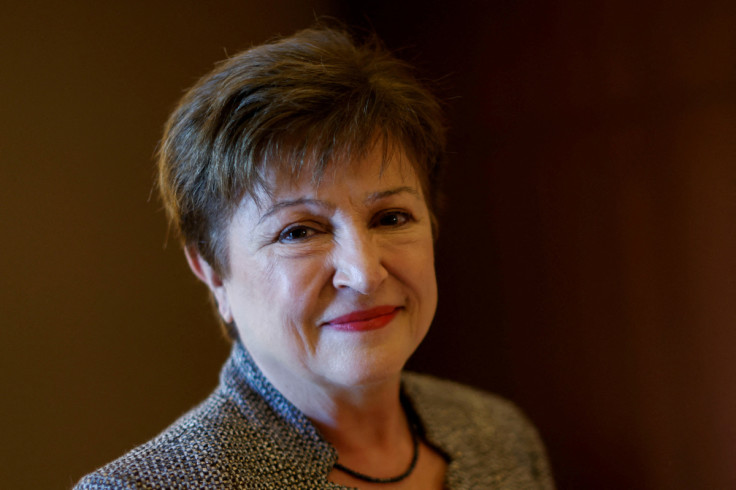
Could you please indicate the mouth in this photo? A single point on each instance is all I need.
(361, 321)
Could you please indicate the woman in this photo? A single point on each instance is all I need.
(302, 178)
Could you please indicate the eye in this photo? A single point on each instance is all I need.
(392, 218)
(296, 233)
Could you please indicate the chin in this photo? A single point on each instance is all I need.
(368, 368)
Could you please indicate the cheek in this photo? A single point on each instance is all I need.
(414, 266)
(427, 274)
(252, 290)
(296, 286)
(428, 284)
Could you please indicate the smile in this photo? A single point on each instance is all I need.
(361, 321)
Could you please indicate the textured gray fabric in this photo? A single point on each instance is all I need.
(247, 435)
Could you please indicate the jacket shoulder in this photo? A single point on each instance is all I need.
(488, 438)
(459, 401)
(215, 445)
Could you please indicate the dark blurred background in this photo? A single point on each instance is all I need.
(587, 254)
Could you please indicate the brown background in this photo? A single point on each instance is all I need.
(586, 258)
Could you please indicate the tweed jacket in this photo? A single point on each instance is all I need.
(247, 435)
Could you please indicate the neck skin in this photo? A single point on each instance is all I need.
(361, 418)
(366, 424)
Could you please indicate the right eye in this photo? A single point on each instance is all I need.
(296, 233)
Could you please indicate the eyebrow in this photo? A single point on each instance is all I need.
(294, 202)
(376, 196)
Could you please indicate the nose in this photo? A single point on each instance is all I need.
(358, 263)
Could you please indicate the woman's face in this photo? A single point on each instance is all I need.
(333, 284)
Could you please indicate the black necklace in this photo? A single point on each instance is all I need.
(393, 479)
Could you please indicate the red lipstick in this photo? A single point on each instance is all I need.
(361, 321)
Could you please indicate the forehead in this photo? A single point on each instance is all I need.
(375, 171)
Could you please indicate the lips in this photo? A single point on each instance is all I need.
(359, 321)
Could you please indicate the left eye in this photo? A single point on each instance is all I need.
(392, 218)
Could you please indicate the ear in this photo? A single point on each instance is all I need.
(205, 273)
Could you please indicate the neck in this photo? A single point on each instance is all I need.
(369, 417)
(371, 434)
(355, 418)
(366, 423)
